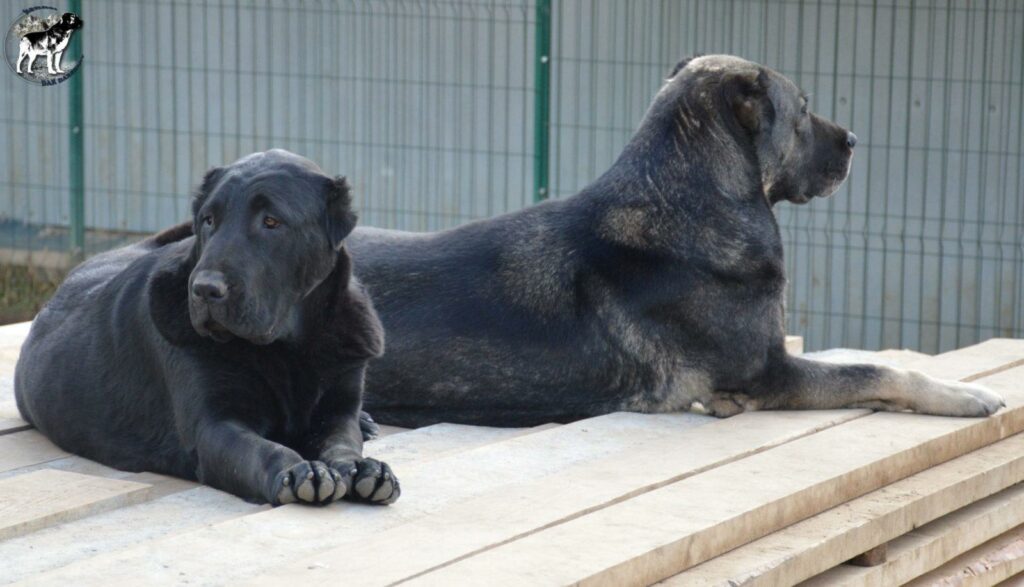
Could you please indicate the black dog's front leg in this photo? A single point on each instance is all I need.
(337, 439)
(234, 458)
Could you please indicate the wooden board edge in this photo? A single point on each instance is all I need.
(987, 564)
(122, 493)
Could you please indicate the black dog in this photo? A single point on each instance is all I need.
(658, 286)
(235, 357)
(52, 42)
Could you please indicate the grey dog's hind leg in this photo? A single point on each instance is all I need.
(801, 384)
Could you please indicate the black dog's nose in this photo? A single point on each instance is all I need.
(851, 140)
(209, 286)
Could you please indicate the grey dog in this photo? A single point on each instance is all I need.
(658, 286)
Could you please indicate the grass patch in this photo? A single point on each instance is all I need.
(24, 290)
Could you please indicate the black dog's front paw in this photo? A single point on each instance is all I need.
(372, 481)
(308, 482)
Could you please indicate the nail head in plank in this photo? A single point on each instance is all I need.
(44, 498)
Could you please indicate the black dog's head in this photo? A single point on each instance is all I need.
(268, 231)
(69, 21)
(799, 155)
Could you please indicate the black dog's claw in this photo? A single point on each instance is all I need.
(374, 482)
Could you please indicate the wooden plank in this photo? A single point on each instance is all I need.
(1014, 581)
(9, 425)
(438, 440)
(935, 543)
(386, 430)
(176, 505)
(11, 337)
(795, 345)
(817, 544)
(871, 558)
(656, 537)
(995, 561)
(975, 361)
(22, 449)
(477, 524)
(44, 498)
(8, 407)
(246, 546)
(49, 548)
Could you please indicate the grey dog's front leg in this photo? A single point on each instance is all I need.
(797, 383)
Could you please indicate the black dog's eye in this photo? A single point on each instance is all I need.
(208, 220)
(271, 222)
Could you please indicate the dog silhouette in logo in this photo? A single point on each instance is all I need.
(50, 42)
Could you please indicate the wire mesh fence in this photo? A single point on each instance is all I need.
(429, 108)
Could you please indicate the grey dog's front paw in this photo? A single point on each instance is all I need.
(310, 482)
(373, 482)
(978, 401)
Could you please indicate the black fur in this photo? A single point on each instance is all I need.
(256, 392)
(659, 285)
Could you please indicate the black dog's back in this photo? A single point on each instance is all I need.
(95, 317)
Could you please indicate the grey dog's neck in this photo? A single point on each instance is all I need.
(673, 179)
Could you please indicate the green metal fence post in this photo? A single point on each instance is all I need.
(542, 104)
(76, 147)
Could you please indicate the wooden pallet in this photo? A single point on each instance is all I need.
(769, 498)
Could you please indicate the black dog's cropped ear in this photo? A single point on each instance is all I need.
(340, 217)
(200, 194)
(747, 95)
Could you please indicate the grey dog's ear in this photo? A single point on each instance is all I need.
(747, 95)
(210, 180)
(682, 64)
(340, 217)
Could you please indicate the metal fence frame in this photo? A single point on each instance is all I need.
(889, 253)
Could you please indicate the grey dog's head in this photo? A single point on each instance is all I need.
(799, 155)
(268, 230)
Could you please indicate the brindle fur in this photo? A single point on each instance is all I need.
(658, 286)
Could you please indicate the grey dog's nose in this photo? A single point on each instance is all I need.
(851, 140)
(209, 286)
